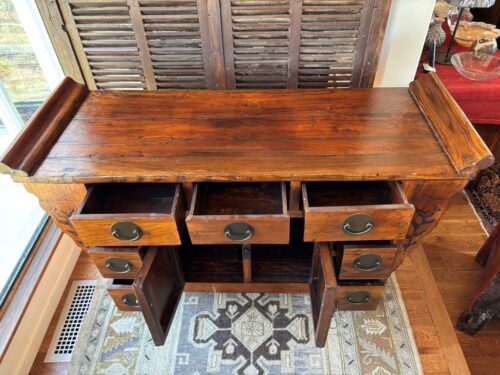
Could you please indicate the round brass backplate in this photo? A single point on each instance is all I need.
(358, 224)
(126, 231)
(239, 231)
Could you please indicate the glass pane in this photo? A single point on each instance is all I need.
(22, 89)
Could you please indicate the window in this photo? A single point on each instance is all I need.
(28, 69)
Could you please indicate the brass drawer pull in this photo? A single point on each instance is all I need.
(368, 262)
(126, 231)
(358, 224)
(130, 299)
(118, 265)
(239, 231)
(357, 297)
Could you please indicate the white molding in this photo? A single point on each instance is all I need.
(34, 27)
(403, 42)
(31, 330)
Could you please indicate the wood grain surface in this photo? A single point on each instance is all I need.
(460, 140)
(133, 255)
(351, 251)
(161, 267)
(391, 214)
(119, 288)
(263, 206)
(376, 289)
(354, 134)
(322, 290)
(32, 144)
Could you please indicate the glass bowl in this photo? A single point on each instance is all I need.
(479, 67)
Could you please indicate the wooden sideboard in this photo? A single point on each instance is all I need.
(307, 191)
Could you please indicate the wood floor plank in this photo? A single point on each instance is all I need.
(450, 345)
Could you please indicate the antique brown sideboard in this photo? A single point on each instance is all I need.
(307, 191)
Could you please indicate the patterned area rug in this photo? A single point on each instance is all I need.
(485, 197)
(247, 333)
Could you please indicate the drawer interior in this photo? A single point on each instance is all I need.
(245, 198)
(282, 263)
(269, 263)
(129, 199)
(122, 283)
(357, 193)
(212, 263)
(367, 284)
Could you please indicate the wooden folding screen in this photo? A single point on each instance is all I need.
(218, 44)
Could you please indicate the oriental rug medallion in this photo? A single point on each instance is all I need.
(247, 333)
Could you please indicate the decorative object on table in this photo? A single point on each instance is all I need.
(445, 57)
(484, 46)
(247, 333)
(453, 16)
(435, 37)
(478, 67)
(468, 32)
(442, 9)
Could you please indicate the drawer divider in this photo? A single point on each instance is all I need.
(246, 255)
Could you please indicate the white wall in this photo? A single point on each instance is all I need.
(31, 330)
(403, 41)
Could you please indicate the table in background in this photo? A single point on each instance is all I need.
(480, 100)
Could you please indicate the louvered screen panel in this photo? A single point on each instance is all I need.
(214, 44)
(105, 44)
(256, 42)
(328, 39)
(173, 35)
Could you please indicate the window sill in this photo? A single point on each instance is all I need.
(16, 302)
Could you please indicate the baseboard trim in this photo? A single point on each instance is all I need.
(30, 332)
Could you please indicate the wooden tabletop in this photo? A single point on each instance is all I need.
(352, 134)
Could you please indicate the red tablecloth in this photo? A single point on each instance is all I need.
(480, 100)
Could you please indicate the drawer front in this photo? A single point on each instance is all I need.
(359, 297)
(251, 213)
(339, 215)
(271, 229)
(130, 215)
(126, 230)
(123, 295)
(117, 263)
(365, 261)
(375, 223)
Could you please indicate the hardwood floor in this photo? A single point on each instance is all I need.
(450, 250)
(441, 276)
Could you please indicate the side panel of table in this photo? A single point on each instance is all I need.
(60, 201)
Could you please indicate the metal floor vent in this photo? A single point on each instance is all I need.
(72, 316)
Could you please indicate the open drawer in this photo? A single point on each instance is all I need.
(130, 214)
(359, 295)
(351, 211)
(365, 260)
(327, 294)
(117, 262)
(156, 290)
(123, 295)
(249, 212)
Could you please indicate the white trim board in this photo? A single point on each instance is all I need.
(31, 330)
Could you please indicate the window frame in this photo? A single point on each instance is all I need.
(22, 290)
(36, 22)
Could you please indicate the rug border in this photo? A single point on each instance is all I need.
(404, 314)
